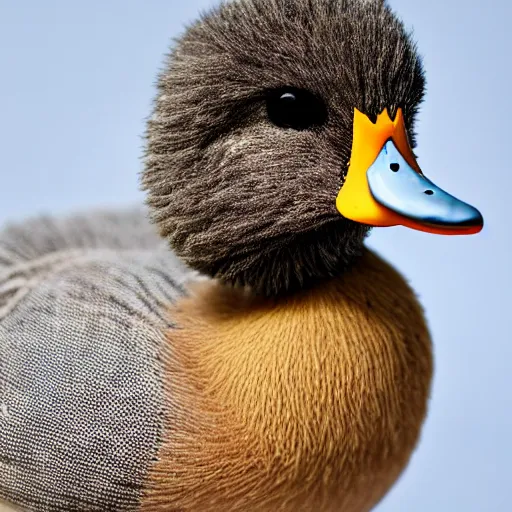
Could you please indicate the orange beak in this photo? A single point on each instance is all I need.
(385, 185)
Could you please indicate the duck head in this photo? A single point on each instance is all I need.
(282, 132)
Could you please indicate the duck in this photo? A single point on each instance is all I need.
(237, 348)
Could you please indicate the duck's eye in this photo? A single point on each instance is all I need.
(295, 108)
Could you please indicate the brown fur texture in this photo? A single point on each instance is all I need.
(246, 201)
(305, 403)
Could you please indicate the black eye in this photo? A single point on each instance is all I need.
(295, 108)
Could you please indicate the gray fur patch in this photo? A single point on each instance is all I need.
(81, 397)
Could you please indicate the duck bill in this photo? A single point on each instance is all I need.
(385, 186)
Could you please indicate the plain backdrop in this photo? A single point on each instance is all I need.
(76, 84)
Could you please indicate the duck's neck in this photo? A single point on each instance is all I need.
(333, 379)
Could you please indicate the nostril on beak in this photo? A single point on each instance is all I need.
(429, 192)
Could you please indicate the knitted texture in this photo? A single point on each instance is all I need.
(81, 324)
(240, 198)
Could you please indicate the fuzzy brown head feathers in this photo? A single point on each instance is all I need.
(251, 134)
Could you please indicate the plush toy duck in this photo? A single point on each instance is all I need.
(269, 362)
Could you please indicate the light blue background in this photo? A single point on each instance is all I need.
(76, 83)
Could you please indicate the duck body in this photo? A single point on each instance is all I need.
(311, 402)
(260, 358)
(213, 398)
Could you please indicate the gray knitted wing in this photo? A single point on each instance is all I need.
(82, 320)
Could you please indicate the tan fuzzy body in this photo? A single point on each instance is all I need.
(312, 402)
